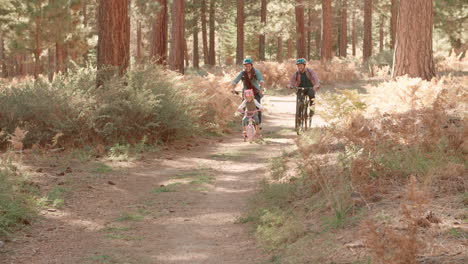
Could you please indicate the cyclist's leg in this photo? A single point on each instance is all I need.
(259, 98)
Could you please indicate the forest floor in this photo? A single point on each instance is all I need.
(179, 205)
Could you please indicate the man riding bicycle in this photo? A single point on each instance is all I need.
(305, 77)
(253, 80)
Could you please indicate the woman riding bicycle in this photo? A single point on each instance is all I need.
(305, 77)
(252, 79)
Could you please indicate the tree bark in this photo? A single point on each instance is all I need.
(309, 32)
(85, 24)
(186, 54)
(59, 58)
(113, 49)
(354, 35)
(344, 29)
(177, 32)
(367, 44)
(279, 56)
(393, 23)
(262, 39)
(381, 34)
(326, 51)
(50, 65)
(138, 47)
(204, 34)
(158, 48)
(413, 47)
(367, 39)
(2, 56)
(240, 32)
(212, 52)
(300, 28)
(196, 55)
(318, 40)
(38, 48)
(290, 48)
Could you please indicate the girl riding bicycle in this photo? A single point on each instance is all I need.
(250, 104)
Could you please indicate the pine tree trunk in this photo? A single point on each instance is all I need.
(344, 29)
(38, 48)
(262, 39)
(381, 34)
(290, 48)
(413, 47)
(367, 44)
(186, 54)
(393, 23)
(327, 23)
(279, 56)
(240, 32)
(196, 55)
(204, 34)
(85, 24)
(59, 58)
(2, 56)
(212, 52)
(138, 47)
(354, 35)
(113, 49)
(176, 62)
(300, 27)
(318, 40)
(50, 65)
(159, 35)
(309, 31)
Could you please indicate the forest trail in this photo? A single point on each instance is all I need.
(179, 207)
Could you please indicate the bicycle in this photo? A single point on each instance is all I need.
(251, 129)
(304, 111)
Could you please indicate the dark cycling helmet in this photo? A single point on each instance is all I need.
(300, 61)
(248, 61)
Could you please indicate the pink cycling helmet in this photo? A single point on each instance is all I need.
(248, 93)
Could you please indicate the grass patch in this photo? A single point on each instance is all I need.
(278, 166)
(101, 168)
(203, 179)
(131, 217)
(458, 233)
(166, 188)
(16, 206)
(55, 197)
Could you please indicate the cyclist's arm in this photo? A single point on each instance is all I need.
(257, 104)
(292, 81)
(241, 106)
(236, 80)
(316, 80)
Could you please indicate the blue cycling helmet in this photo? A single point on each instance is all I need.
(248, 61)
(301, 61)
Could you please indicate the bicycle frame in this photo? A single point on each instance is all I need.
(303, 113)
(251, 129)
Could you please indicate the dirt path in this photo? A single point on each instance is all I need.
(180, 207)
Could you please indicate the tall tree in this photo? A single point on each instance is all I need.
(240, 32)
(159, 35)
(212, 52)
(367, 44)
(261, 40)
(177, 34)
(290, 48)
(393, 22)
(326, 50)
(413, 47)
(353, 34)
(279, 56)
(300, 28)
(196, 55)
(113, 49)
(344, 28)
(139, 55)
(204, 34)
(381, 34)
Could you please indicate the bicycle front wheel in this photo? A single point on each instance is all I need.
(299, 118)
(250, 131)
